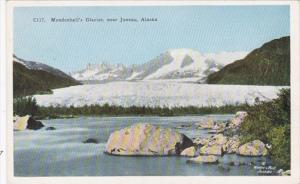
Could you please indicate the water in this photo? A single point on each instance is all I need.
(61, 152)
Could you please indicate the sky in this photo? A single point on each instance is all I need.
(71, 46)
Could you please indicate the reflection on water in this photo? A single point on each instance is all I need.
(61, 152)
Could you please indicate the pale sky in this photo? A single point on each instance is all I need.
(208, 29)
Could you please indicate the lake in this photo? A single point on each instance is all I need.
(61, 152)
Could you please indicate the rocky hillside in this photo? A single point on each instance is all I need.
(32, 77)
(267, 65)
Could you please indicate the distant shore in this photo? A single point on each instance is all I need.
(28, 105)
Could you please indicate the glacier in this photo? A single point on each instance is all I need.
(152, 93)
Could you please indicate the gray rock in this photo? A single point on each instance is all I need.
(27, 122)
(254, 148)
(91, 140)
(50, 128)
(146, 139)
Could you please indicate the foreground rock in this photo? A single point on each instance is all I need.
(238, 119)
(218, 139)
(232, 145)
(203, 159)
(212, 145)
(254, 148)
(189, 152)
(26, 122)
(147, 139)
(202, 141)
(211, 150)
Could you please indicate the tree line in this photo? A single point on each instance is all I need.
(28, 105)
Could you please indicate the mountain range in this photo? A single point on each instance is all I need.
(180, 64)
(267, 65)
(31, 77)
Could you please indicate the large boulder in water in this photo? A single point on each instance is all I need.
(147, 139)
(254, 148)
(26, 122)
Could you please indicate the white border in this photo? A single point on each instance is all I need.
(294, 33)
(2, 94)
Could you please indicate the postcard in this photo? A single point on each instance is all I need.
(103, 92)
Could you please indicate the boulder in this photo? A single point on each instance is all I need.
(91, 140)
(20, 123)
(189, 152)
(209, 124)
(211, 150)
(238, 119)
(146, 139)
(218, 139)
(27, 122)
(201, 141)
(218, 128)
(50, 128)
(254, 148)
(15, 118)
(203, 159)
(232, 145)
(213, 145)
(210, 140)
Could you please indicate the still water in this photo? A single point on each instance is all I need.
(61, 152)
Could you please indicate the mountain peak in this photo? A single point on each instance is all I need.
(183, 51)
(180, 63)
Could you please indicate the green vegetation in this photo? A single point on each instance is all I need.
(29, 82)
(27, 105)
(270, 122)
(111, 110)
(268, 65)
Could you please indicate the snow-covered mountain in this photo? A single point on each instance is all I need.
(102, 72)
(184, 64)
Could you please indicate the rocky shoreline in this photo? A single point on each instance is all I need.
(144, 139)
(149, 140)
